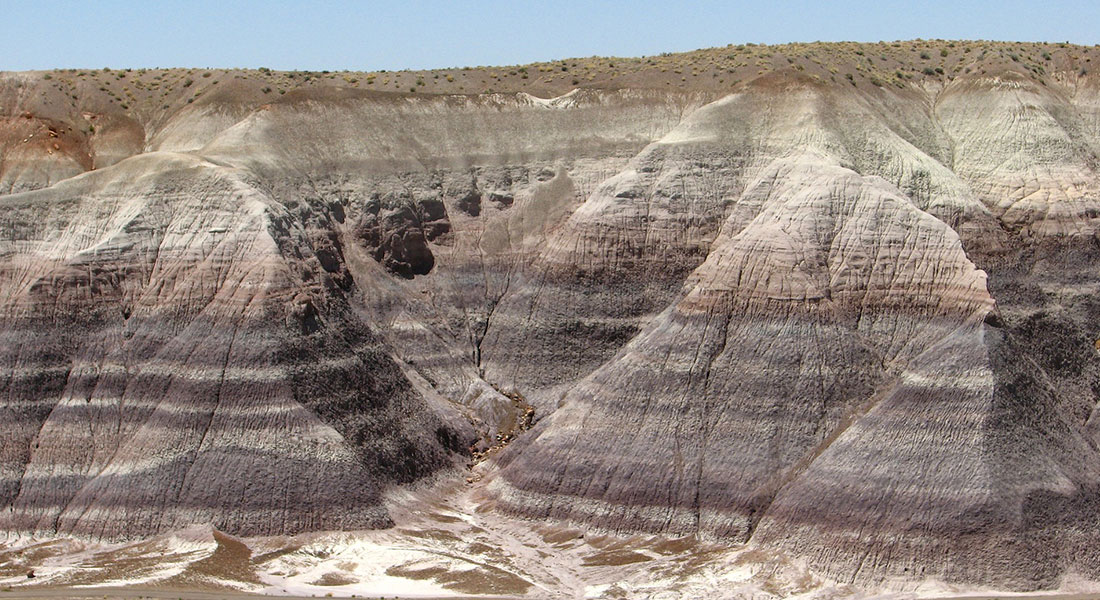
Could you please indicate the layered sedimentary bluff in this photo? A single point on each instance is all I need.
(835, 301)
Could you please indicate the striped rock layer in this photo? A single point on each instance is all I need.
(854, 323)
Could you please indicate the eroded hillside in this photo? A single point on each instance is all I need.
(834, 301)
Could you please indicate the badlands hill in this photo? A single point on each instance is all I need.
(837, 301)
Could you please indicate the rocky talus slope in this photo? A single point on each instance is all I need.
(837, 301)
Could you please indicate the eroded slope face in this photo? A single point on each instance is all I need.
(229, 336)
(794, 323)
(829, 380)
(175, 352)
(455, 199)
(841, 320)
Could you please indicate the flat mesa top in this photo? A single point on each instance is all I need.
(145, 92)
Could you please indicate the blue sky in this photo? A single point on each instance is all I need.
(433, 34)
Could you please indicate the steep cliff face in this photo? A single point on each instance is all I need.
(837, 308)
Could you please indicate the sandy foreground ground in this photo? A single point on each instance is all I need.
(169, 594)
(447, 543)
